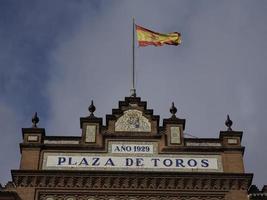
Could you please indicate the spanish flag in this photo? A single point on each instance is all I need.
(147, 37)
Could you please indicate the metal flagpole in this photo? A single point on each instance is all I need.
(133, 91)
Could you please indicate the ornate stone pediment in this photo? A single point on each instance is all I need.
(132, 117)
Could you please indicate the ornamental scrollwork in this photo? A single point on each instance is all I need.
(133, 121)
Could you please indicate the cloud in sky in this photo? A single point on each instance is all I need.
(57, 56)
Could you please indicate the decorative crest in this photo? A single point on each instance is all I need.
(91, 109)
(229, 123)
(173, 110)
(35, 120)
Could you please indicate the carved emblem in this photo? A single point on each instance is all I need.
(133, 121)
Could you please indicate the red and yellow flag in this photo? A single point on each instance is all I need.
(147, 37)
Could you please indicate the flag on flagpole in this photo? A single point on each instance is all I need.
(147, 37)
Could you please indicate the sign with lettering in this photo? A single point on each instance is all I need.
(132, 148)
(138, 156)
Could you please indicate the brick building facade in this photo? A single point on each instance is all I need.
(131, 157)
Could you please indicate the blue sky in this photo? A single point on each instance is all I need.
(55, 56)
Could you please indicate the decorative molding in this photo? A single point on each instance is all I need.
(9, 186)
(61, 142)
(203, 144)
(112, 196)
(135, 181)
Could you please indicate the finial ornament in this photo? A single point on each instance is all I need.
(229, 123)
(173, 110)
(91, 109)
(35, 120)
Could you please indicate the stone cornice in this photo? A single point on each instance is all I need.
(132, 181)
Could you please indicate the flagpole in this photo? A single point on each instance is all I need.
(133, 91)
